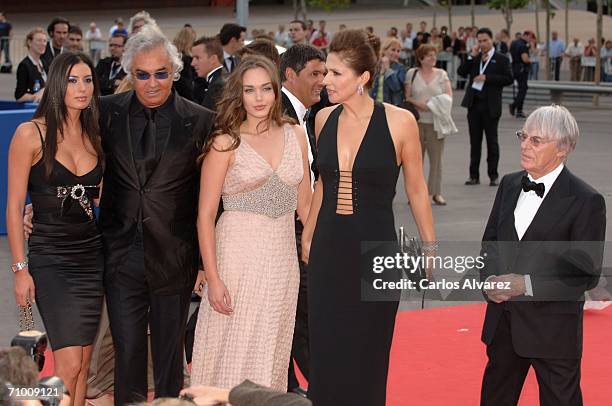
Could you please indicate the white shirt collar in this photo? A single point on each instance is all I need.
(299, 108)
(490, 53)
(213, 71)
(226, 55)
(548, 180)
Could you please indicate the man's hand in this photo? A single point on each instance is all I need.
(499, 294)
(27, 221)
(480, 78)
(198, 288)
(207, 395)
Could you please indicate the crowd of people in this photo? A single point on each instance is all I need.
(252, 179)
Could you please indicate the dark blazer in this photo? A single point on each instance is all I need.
(549, 324)
(184, 85)
(497, 74)
(214, 89)
(27, 73)
(290, 111)
(165, 206)
(103, 70)
(48, 56)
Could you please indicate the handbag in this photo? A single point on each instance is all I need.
(406, 105)
(412, 247)
(32, 341)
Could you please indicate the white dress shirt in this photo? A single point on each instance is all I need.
(527, 207)
(301, 110)
(229, 61)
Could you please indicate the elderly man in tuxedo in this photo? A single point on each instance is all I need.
(543, 246)
(151, 138)
(302, 71)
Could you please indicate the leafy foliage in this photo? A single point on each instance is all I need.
(329, 5)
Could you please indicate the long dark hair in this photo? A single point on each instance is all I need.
(53, 108)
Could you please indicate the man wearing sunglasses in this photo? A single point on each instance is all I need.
(151, 138)
(543, 249)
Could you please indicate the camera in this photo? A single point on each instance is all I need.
(52, 390)
(35, 344)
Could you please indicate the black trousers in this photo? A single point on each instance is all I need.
(519, 98)
(132, 307)
(555, 67)
(300, 349)
(558, 379)
(479, 121)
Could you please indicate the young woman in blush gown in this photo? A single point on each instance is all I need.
(257, 163)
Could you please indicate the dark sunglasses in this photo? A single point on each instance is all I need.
(141, 75)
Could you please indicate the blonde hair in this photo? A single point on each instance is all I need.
(388, 42)
(31, 34)
(184, 40)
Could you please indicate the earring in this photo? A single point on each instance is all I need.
(360, 90)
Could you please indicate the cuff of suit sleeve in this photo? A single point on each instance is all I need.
(528, 287)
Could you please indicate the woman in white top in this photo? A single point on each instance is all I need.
(423, 83)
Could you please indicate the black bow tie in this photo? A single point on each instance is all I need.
(529, 185)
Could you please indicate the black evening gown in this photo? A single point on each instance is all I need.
(65, 253)
(350, 338)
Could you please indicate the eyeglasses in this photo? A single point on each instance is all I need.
(535, 141)
(142, 75)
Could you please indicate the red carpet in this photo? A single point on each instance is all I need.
(438, 359)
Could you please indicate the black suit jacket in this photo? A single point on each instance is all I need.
(165, 206)
(27, 73)
(290, 111)
(103, 70)
(48, 56)
(562, 251)
(214, 89)
(498, 75)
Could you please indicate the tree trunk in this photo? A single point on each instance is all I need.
(450, 16)
(472, 15)
(303, 11)
(295, 9)
(537, 19)
(508, 15)
(435, 13)
(598, 66)
(547, 42)
(567, 35)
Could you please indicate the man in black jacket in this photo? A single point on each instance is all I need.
(207, 54)
(109, 70)
(519, 50)
(151, 139)
(58, 32)
(488, 73)
(302, 71)
(544, 244)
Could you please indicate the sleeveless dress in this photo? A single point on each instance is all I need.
(65, 253)
(350, 338)
(257, 261)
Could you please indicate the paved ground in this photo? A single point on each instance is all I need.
(464, 218)
(468, 207)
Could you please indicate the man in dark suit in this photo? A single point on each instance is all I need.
(109, 70)
(58, 32)
(232, 38)
(302, 71)
(519, 50)
(151, 139)
(488, 73)
(207, 55)
(543, 246)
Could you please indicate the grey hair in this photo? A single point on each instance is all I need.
(150, 37)
(555, 122)
(141, 16)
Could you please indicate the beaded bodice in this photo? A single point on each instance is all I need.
(252, 185)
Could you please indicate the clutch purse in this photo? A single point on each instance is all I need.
(412, 247)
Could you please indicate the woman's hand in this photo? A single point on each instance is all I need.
(24, 287)
(38, 95)
(219, 297)
(27, 221)
(421, 105)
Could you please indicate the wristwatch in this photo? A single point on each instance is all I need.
(19, 266)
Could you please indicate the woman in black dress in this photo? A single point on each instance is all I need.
(32, 69)
(361, 146)
(57, 159)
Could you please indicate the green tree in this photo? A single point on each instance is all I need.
(506, 7)
(329, 5)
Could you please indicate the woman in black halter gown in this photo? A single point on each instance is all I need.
(361, 145)
(56, 158)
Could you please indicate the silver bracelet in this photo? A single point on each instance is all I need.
(429, 247)
(16, 267)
